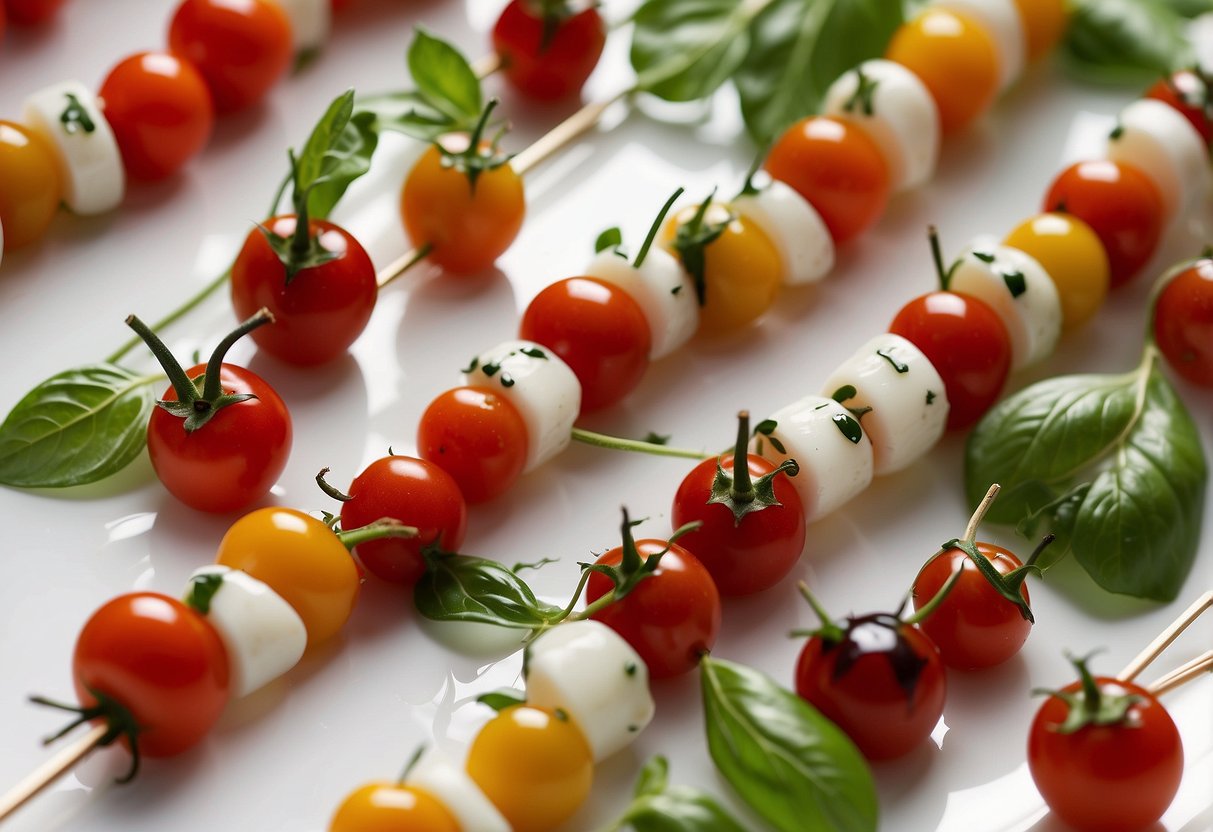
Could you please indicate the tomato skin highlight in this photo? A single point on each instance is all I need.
(1121, 205)
(671, 617)
(598, 330)
(477, 437)
(240, 47)
(1109, 778)
(746, 557)
(322, 310)
(32, 188)
(968, 345)
(160, 110)
(235, 458)
(467, 229)
(974, 627)
(392, 807)
(837, 168)
(1074, 257)
(866, 700)
(160, 660)
(553, 70)
(1183, 322)
(416, 493)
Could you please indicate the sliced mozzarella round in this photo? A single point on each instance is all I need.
(1154, 138)
(662, 288)
(540, 385)
(310, 21)
(896, 109)
(1019, 290)
(587, 670)
(909, 407)
(67, 116)
(450, 785)
(263, 634)
(1001, 20)
(796, 229)
(827, 442)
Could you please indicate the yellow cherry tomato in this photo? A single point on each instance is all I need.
(534, 765)
(742, 269)
(956, 60)
(302, 560)
(392, 807)
(1073, 256)
(30, 186)
(1044, 22)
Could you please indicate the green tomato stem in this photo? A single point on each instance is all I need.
(186, 391)
(615, 443)
(924, 612)
(654, 228)
(742, 490)
(174, 316)
(384, 527)
(213, 386)
(974, 521)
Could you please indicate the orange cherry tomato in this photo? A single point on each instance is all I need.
(477, 437)
(837, 168)
(301, 559)
(30, 185)
(956, 60)
(466, 227)
(1044, 22)
(392, 807)
(534, 765)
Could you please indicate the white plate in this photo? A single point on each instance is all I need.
(355, 711)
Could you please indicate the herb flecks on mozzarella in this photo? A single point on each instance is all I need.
(661, 288)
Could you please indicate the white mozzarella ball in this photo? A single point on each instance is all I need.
(1020, 292)
(1154, 138)
(540, 385)
(1001, 20)
(662, 289)
(90, 164)
(262, 633)
(450, 785)
(587, 670)
(310, 21)
(909, 407)
(903, 119)
(827, 442)
(794, 227)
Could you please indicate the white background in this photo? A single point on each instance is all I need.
(355, 710)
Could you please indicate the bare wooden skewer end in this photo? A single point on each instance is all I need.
(51, 770)
(1155, 648)
(1183, 674)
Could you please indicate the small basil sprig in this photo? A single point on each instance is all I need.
(659, 807)
(1112, 464)
(793, 766)
(1126, 41)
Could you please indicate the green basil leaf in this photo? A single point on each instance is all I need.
(501, 699)
(444, 77)
(408, 113)
(793, 766)
(654, 777)
(683, 50)
(1113, 463)
(1190, 8)
(798, 48)
(76, 427)
(462, 588)
(1128, 42)
(659, 807)
(311, 162)
(348, 158)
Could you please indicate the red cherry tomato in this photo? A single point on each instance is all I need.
(599, 331)
(232, 460)
(1107, 778)
(837, 168)
(31, 12)
(670, 617)
(160, 110)
(1183, 322)
(1121, 205)
(749, 555)
(318, 312)
(477, 437)
(548, 59)
(159, 660)
(968, 345)
(1189, 94)
(415, 492)
(974, 627)
(883, 684)
(241, 47)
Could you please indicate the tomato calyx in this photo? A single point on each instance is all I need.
(612, 238)
(739, 491)
(202, 590)
(861, 99)
(198, 400)
(691, 242)
(478, 157)
(552, 13)
(1094, 705)
(119, 723)
(1202, 97)
(632, 568)
(302, 250)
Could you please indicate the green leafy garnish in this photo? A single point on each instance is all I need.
(659, 807)
(463, 588)
(683, 50)
(1128, 42)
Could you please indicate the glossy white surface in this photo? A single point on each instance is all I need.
(355, 711)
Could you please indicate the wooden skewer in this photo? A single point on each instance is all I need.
(1183, 674)
(1155, 648)
(51, 770)
(487, 65)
